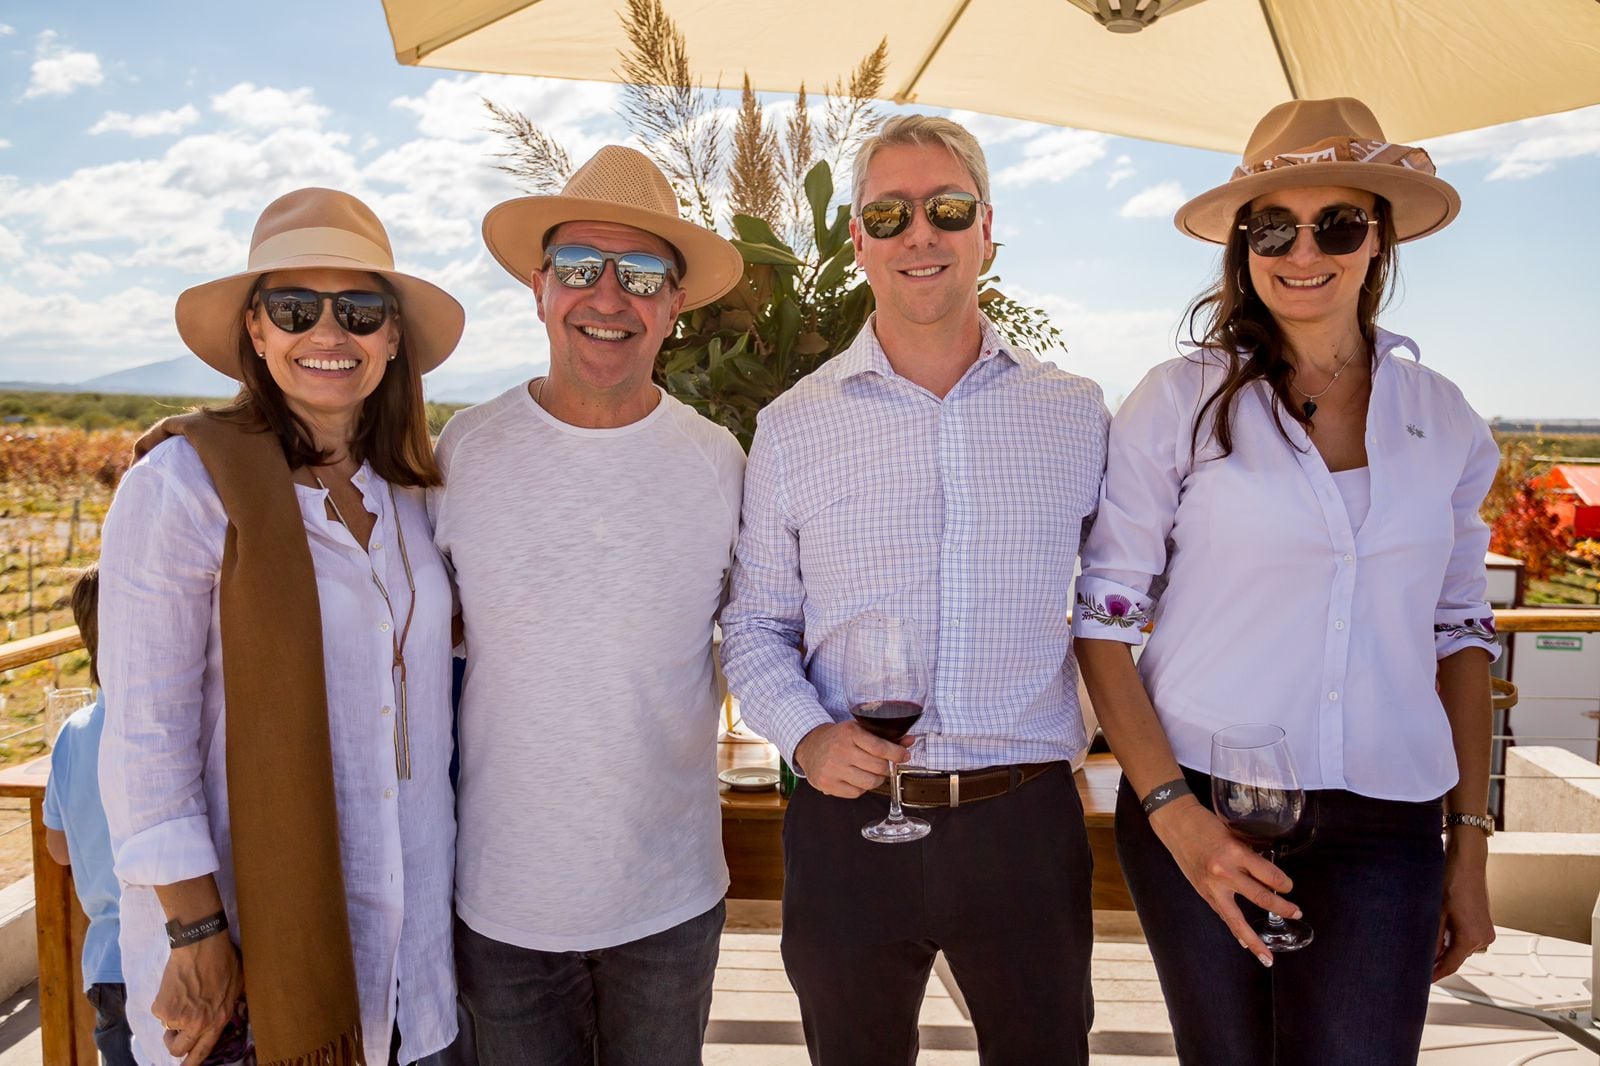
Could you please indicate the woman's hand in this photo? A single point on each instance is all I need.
(199, 989)
(1464, 924)
(1220, 866)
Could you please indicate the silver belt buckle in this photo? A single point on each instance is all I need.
(955, 790)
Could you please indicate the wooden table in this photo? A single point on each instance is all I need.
(752, 823)
(66, 1020)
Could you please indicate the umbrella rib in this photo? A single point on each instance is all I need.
(908, 93)
(1277, 47)
(413, 56)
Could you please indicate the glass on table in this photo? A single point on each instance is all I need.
(59, 705)
(1257, 793)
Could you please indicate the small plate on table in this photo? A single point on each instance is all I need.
(749, 778)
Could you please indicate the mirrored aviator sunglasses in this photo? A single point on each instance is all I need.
(951, 211)
(357, 311)
(578, 266)
(1338, 230)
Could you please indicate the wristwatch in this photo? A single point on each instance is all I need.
(1477, 821)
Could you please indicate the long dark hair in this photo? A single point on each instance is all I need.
(1239, 327)
(391, 433)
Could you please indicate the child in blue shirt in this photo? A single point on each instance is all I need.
(76, 835)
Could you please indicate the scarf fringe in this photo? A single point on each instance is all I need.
(342, 1050)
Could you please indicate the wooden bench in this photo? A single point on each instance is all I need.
(752, 823)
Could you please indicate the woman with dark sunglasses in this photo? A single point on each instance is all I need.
(275, 648)
(1294, 505)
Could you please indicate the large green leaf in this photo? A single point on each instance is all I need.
(835, 269)
(771, 255)
(819, 190)
(839, 233)
(758, 231)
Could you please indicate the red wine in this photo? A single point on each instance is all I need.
(888, 719)
(1261, 833)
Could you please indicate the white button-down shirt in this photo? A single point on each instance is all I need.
(1273, 609)
(163, 763)
(866, 492)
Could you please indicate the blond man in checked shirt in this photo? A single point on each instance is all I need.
(932, 471)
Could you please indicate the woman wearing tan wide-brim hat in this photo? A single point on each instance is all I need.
(276, 659)
(1294, 504)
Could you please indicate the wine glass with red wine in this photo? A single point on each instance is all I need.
(886, 682)
(1257, 793)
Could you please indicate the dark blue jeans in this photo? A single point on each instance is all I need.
(112, 1036)
(644, 1003)
(1369, 875)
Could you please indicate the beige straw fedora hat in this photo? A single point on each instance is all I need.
(623, 186)
(311, 229)
(1326, 142)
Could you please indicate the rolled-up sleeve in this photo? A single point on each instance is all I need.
(764, 622)
(1127, 544)
(158, 574)
(1463, 618)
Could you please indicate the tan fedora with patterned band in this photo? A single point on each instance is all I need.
(1326, 142)
(314, 229)
(623, 186)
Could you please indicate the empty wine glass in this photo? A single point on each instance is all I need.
(59, 705)
(1256, 792)
(886, 682)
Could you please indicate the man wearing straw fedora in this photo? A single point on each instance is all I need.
(937, 474)
(590, 519)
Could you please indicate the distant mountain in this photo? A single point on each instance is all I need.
(188, 376)
(183, 376)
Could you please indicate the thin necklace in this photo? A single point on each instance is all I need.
(402, 731)
(1310, 406)
(538, 394)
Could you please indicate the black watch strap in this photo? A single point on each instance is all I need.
(180, 935)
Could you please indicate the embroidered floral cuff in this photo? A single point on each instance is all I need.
(1105, 610)
(1469, 628)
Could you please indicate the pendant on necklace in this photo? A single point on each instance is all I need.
(1310, 408)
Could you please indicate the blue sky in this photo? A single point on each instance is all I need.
(138, 143)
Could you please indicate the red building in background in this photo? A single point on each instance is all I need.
(1574, 498)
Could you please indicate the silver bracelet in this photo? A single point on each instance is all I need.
(1477, 821)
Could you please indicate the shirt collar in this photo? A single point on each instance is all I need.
(1388, 342)
(866, 356)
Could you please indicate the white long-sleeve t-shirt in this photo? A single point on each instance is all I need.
(590, 564)
(163, 761)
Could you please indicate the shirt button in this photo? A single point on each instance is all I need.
(1339, 624)
(377, 545)
(1334, 696)
(1349, 558)
(386, 710)
(383, 627)
(388, 793)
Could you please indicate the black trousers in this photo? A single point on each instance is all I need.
(1000, 886)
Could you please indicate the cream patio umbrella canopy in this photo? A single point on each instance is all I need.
(1195, 72)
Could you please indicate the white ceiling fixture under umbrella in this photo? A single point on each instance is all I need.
(1192, 72)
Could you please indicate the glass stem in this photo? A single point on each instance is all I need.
(895, 813)
(1272, 919)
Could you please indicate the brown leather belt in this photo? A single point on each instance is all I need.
(929, 788)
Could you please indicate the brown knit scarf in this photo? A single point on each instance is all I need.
(294, 932)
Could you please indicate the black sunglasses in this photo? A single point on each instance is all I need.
(950, 211)
(356, 310)
(1339, 230)
(578, 266)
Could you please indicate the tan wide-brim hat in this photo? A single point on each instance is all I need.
(623, 186)
(314, 229)
(1326, 142)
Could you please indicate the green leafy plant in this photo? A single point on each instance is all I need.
(802, 299)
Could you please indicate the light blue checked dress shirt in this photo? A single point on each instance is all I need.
(866, 492)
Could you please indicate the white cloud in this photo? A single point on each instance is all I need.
(1115, 347)
(71, 272)
(248, 105)
(992, 129)
(150, 124)
(452, 109)
(1523, 149)
(64, 322)
(1157, 201)
(1123, 169)
(11, 246)
(6, 31)
(4, 143)
(1054, 156)
(58, 70)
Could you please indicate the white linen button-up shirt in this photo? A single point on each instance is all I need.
(163, 766)
(866, 492)
(1268, 606)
